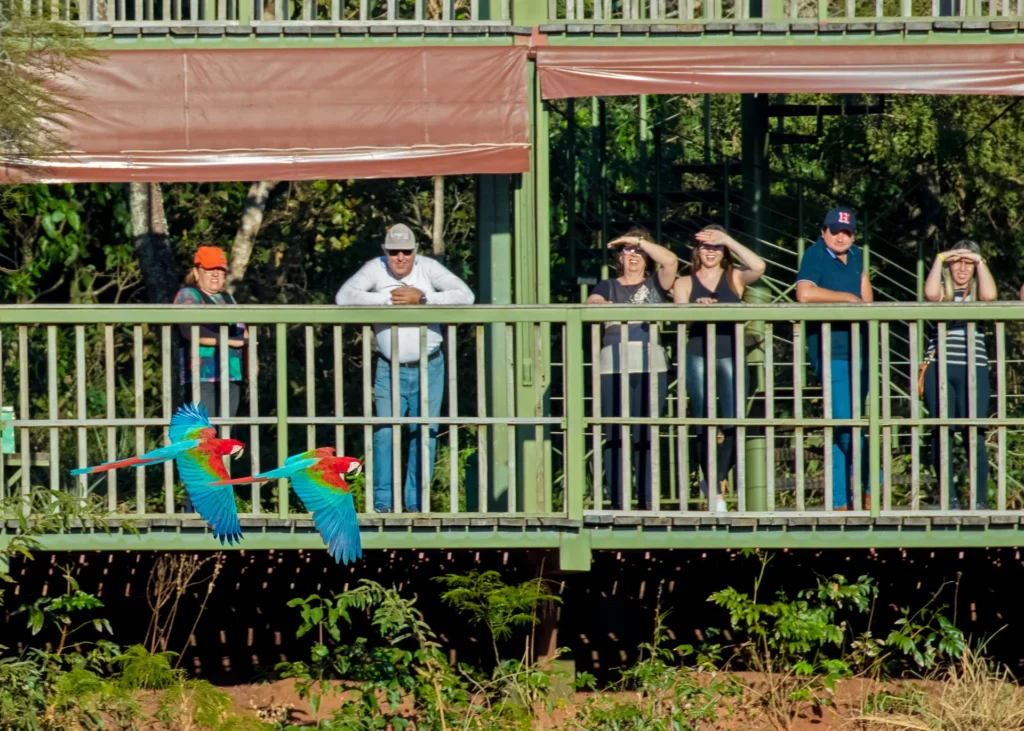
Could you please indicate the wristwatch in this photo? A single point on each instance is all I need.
(423, 299)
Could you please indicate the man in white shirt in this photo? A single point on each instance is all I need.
(400, 277)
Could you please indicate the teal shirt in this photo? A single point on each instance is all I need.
(209, 360)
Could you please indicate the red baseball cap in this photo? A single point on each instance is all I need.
(211, 257)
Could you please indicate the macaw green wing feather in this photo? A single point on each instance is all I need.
(215, 504)
(334, 513)
(187, 420)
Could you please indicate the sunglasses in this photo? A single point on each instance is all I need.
(632, 250)
(396, 252)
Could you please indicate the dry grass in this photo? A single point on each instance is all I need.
(975, 696)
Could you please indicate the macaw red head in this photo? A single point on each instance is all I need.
(349, 466)
(231, 447)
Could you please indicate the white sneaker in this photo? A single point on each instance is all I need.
(720, 505)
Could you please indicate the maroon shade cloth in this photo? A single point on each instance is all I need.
(293, 114)
(572, 71)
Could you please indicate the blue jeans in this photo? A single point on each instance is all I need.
(697, 392)
(842, 437)
(408, 405)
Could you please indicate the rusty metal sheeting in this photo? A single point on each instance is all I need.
(292, 114)
(933, 69)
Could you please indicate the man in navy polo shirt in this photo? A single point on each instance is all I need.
(832, 271)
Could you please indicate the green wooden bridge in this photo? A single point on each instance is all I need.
(517, 465)
(201, 90)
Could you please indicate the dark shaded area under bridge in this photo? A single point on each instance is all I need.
(607, 612)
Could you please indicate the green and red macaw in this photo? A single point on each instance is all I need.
(318, 478)
(199, 454)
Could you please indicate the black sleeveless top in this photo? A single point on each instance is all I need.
(725, 332)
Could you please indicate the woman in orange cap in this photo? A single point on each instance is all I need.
(204, 285)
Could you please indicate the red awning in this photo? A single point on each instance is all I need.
(291, 114)
(622, 71)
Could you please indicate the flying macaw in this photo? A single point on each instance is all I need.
(199, 454)
(319, 480)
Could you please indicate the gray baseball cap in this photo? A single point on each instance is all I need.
(399, 237)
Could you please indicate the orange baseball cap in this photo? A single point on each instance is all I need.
(211, 257)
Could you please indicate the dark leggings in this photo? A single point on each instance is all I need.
(957, 408)
(640, 449)
(697, 392)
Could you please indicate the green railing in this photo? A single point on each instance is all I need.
(521, 426)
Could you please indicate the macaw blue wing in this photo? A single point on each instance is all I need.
(215, 504)
(334, 513)
(188, 419)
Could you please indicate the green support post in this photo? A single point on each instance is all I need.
(532, 276)
(874, 428)
(575, 447)
(281, 353)
(494, 235)
(754, 110)
(756, 444)
(244, 12)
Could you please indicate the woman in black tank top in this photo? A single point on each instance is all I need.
(715, 280)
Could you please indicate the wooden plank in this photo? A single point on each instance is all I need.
(826, 397)
(944, 486)
(625, 431)
(711, 432)
(166, 399)
(309, 343)
(1001, 387)
(453, 432)
(481, 430)
(741, 411)
(595, 380)
(108, 341)
(682, 433)
(138, 386)
(396, 430)
(769, 411)
(424, 429)
(886, 414)
(857, 407)
(915, 413)
(367, 413)
(52, 400)
(798, 412)
(972, 413)
(254, 412)
(80, 392)
(654, 404)
(510, 400)
(339, 386)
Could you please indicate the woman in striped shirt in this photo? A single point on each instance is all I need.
(959, 275)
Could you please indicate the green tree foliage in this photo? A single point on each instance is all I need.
(36, 54)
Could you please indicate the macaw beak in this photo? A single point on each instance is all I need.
(238, 454)
(355, 468)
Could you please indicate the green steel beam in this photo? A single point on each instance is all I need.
(618, 539)
(473, 314)
(689, 39)
(575, 547)
(166, 42)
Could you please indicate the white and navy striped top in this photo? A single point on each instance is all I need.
(956, 340)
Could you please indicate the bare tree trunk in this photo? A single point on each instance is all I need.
(248, 228)
(152, 244)
(438, 233)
